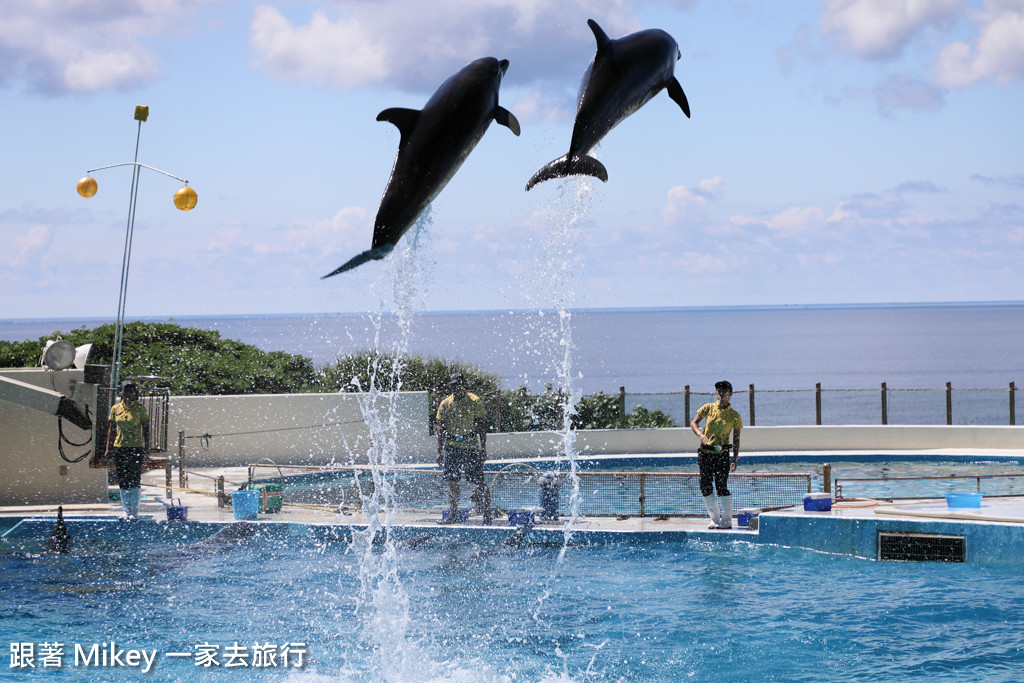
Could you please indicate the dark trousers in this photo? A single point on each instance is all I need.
(714, 467)
(128, 466)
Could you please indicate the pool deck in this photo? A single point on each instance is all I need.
(992, 533)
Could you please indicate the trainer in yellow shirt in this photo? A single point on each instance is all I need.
(722, 423)
(462, 446)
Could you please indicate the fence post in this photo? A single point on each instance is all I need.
(949, 403)
(826, 475)
(1013, 406)
(817, 403)
(686, 403)
(885, 406)
(643, 495)
(752, 423)
(181, 459)
(622, 407)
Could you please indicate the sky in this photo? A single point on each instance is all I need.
(839, 151)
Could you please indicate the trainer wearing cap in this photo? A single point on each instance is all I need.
(713, 455)
(462, 446)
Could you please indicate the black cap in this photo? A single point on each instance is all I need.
(456, 379)
(723, 386)
(129, 385)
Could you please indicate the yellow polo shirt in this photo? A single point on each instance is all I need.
(458, 418)
(720, 423)
(128, 419)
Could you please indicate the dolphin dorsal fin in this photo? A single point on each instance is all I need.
(602, 38)
(404, 119)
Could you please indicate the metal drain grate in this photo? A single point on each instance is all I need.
(904, 547)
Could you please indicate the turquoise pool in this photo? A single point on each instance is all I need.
(468, 609)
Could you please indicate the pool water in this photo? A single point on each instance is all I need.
(475, 611)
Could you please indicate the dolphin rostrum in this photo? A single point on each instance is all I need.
(435, 141)
(623, 76)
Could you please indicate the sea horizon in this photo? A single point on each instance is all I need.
(574, 309)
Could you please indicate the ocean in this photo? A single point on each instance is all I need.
(912, 346)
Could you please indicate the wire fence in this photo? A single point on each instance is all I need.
(635, 494)
(822, 406)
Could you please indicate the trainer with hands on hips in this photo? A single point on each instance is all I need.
(713, 455)
(462, 446)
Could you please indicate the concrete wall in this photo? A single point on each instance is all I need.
(298, 429)
(32, 471)
(315, 429)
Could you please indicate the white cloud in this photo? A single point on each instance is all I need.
(416, 45)
(682, 202)
(787, 223)
(702, 263)
(998, 52)
(25, 247)
(881, 29)
(871, 206)
(57, 47)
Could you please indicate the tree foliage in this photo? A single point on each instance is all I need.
(196, 361)
(193, 361)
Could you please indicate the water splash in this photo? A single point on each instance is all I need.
(383, 603)
(552, 290)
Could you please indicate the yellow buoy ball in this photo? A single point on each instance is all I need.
(186, 198)
(87, 187)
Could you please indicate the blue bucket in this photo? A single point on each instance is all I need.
(461, 515)
(245, 504)
(520, 517)
(963, 500)
(177, 512)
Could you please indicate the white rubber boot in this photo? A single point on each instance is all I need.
(711, 503)
(726, 522)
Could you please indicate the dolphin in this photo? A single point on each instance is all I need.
(220, 543)
(435, 141)
(623, 76)
(60, 538)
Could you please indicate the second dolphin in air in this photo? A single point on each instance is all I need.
(624, 75)
(435, 141)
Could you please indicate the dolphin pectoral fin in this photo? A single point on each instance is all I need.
(675, 91)
(602, 38)
(507, 119)
(567, 166)
(404, 119)
(359, 259)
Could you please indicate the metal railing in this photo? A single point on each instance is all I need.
(908, 488)
(635, 494)
(823, 406)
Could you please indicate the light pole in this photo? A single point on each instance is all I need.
(185, 199)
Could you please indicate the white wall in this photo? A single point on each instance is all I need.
(30, 461)
(298, 429)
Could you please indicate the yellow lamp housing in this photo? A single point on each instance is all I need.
(186, 198)
(87, 187)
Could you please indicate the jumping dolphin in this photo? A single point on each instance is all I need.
(435, 141)
(624, 74)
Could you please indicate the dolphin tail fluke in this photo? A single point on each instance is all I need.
(567, 166)
(369, 255)
(675, 91)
